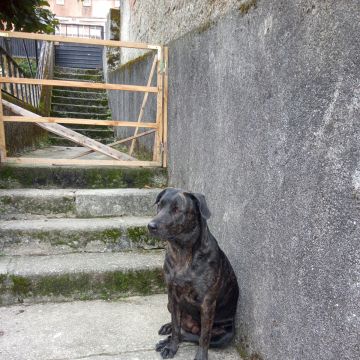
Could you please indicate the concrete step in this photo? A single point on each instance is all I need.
(60, 69)
(82, 203)
(76, 89)
(70, 235)
(59, 141)
(79, 101)
(16, 176)
(87, 78)
(78, 115)
(78, 77)
(91, 330)
(95, 133)
(87, 127)
(75, 108)
(54, 278)
(81, 93)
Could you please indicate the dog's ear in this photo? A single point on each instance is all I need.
(202, 205)
(160, 195)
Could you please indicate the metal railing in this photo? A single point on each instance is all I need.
(21, 48)
(28, 93)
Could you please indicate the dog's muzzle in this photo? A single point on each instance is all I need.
(153, 227)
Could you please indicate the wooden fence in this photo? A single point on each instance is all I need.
(157, 126)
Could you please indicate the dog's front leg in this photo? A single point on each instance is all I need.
(207, 311)
(170, 348)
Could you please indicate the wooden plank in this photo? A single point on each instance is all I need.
(78, 84)
(85, 141)
(82, 162)
(159, 107)
(47, 119)
(78, 40)
(72, 135)
(142, 109)
(2, 132)
(117, 142)
(165, 105)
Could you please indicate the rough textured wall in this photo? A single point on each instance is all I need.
(264, 119)
(264, 112)
(126, 105)
(158, 22)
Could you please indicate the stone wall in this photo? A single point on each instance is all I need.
(264, 108)
(159, 22)
(126, 105)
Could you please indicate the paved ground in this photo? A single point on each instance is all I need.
(93, 330)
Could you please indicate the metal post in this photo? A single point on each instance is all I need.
(10, 74)
(28, 59)
(36, 53)
(2, 133)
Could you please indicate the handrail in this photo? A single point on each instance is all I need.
(9, 67)
(2, 50)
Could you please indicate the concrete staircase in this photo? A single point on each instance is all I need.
(65, 244)
(81, 103)
(80, 277)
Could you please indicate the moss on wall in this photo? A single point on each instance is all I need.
(247, 6)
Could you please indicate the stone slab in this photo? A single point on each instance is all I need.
(81, 177)
(34, 279)
(81, 263)
(23, 203)
(68, 235)
(91, 330)
(116, 202)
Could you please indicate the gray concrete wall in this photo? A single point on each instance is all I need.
(264, 119)
(158, 22)
(126, 105)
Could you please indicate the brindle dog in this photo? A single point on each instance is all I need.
(202, 287)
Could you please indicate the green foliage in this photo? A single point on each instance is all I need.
(27, 15)
(25, 67)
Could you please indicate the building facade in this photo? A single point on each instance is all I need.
(82, 18)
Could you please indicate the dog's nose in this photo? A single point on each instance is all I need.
(152, 226)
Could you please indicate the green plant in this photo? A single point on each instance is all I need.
(27, 15)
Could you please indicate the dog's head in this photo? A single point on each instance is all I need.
(179, 214)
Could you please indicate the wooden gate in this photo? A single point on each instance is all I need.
(156, 126)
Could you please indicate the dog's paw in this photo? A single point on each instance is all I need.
(169, 351)
(167, 348)
(165, 329)
(162, 343)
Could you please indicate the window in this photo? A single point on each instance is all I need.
(60, 2)
(86, 2)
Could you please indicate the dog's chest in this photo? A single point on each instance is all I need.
(185, 283)
(185, 289)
